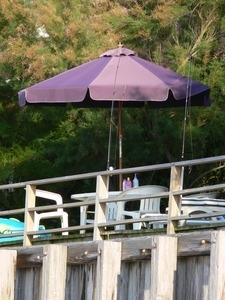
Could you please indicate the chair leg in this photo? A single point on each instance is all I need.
(137, 226)
(64, 223)
(157, 225)
(120, 227)
(36, 224)
(83, 217)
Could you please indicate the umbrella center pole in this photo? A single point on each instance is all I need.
(120, 144)
(120, 163)
(110, 136)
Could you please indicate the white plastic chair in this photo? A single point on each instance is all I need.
(85, 213)
(58, 213)
(148, 206)
(111, 211)
(199, 210)
(202, 203)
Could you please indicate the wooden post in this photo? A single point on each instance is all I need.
(101, 192)
(53, 275)
(8, 273)
(217, 263)
(176, 178)
(29, 215)
(108, 270)
(163, 267)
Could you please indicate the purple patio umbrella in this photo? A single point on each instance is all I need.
(118, 75)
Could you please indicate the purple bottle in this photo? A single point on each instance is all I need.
(128, 183)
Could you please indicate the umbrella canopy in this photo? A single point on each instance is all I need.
(118, 75)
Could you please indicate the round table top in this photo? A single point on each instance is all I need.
(92, 195)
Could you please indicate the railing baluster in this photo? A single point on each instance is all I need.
(176, 182)
(101, 192)
(29, 215)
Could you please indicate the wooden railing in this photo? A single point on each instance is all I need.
(175, 191)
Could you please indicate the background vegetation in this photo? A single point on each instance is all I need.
(39, 39)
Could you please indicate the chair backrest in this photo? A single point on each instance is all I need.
(57, 198)
(147, 204)
(111, 211)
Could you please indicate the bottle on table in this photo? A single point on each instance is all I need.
(128, 183)
(124, 184)
(135, 181)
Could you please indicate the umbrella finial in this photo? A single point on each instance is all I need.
(120, 45)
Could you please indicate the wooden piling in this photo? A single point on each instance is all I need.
(217, 263)
(8, 273)
(163, 267)
(53, 274)
(108, 270)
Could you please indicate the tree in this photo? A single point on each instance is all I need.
(40, 39)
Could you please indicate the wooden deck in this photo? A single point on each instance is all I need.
(181, 266)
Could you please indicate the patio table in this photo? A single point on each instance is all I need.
(88, 197)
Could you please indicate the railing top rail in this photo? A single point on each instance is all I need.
(114, 172)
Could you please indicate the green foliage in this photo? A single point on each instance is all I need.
(39, 39)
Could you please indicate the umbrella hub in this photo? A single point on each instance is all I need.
(120, 51)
